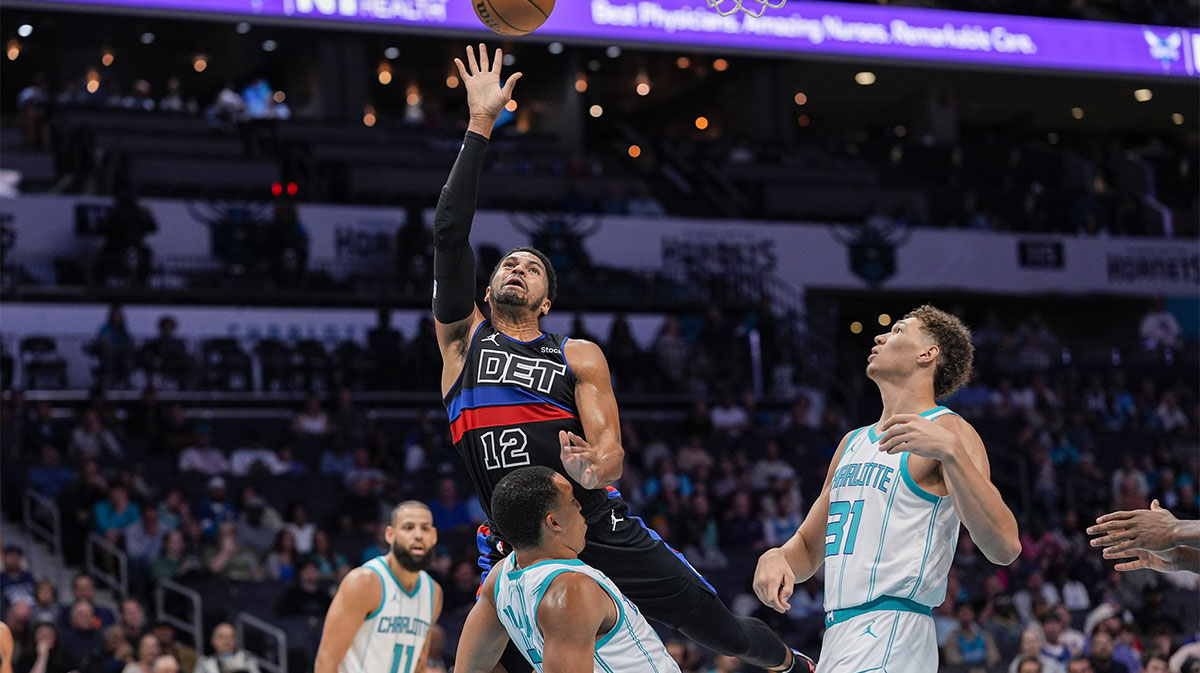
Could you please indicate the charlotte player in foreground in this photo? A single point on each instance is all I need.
(886, 522)
(384, 609)
(564, 615)
(516, 396)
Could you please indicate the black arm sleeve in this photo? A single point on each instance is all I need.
(453, 258)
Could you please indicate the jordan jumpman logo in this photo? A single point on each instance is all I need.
(615, 520)
(867, 631)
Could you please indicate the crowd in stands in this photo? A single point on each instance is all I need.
(297, 505)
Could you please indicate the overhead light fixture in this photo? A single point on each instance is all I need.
(25, 30)
(800, 98)
(865, 78)
(556, 48)
(683, 62)
(1177, 118)
(107, 58)
(720, 65)
(242, 28)
(581, 83)
(1143, 95)
(200, 63)
(596, 111)
(511, 105)
(613, 51)
(147, 37)
(391, 53)
(270, 45)
(635, 151)
(701, 122)
(1077, 112)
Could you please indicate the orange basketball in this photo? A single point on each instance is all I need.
(513, 17)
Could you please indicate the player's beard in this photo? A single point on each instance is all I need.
(510, 300)
(410, 562)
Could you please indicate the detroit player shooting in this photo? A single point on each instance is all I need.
(516, 396)
(886, 523)
(383, 611)
(563, 615)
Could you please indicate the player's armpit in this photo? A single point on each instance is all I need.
(597, 406)
(574, 612)
(483, 636)
(360, 593)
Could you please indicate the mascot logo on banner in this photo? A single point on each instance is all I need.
(873, 247)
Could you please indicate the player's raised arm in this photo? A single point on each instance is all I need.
(779, 569)
(453, 259)
(483, 636)
(596, 461)
(574, 612)
(359, 594)
(952, 441)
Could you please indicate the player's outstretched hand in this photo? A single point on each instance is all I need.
(1152, 530)
(774, 580)
(579, 459)
(1138, 559)
(481, 78)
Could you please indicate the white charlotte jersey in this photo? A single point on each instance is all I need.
(886, 536)
(392, 637)
(630, 647)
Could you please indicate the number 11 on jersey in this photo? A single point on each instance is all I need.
(837, 539)
(402, 652)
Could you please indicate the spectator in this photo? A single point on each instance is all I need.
(254, 458)
(741, 530)
(16, 584)
(1156, 663)
(40, 428)
(969, 645)
(313, 421)
(114, 655)
(50, 476)
(226, 657)
(1055, 646)
(115, 347)
(46, 595)
(448, 510)
(728, 417)
(331, 564)
(178, 432)
(114, 515)
(203, 457)
(336, 460)
(771, 467)
(1102, 654)
(286, 462)
(175, 561)
(351, 423)
(283, 557)
(254, 530)
(33, 102)
(166, 354)
(1032, 649)
(147, 652)
(143, 540)
(46, 654)
(302, 529)
(83, 588)
(643, 204)
(694, 455)
(230, 560)
(17, 618)
(174, 101)
(92, 440)
(304, 597)
(133, 620)
(82, 636)
(173, 510)
(228, 111)
(183, 655)
(166, 664)
(1080, 664)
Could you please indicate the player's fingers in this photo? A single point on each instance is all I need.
(1115, 516)
(563, 439)
(497, 61)
(462, 70)
(471, 60)
(1128, 565)
(512, 82)
(483, 58)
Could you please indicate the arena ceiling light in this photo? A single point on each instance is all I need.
(1077, 112)
(1143, 95)
(613, 51)
(242, 28)
(555, 48)
(595, 111)
(865, 78)
(147, 38)
(391, 53)
(1177, 118)
(270, 45)
(25, 30)
(801, 98)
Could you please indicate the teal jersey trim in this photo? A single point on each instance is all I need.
(912, 483)
(928, 544)
(410, 594)
(566, 562)
(849, 443)
(883, 531)
(926, 414)
(382, 593)
(883, 603)
(545, 586)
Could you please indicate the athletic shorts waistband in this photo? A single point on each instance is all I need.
(882, 603)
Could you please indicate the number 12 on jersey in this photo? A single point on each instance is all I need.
(838, 540)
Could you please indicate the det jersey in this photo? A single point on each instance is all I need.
(392, 637)
(886, 536)
(507, 407)
(631, 646)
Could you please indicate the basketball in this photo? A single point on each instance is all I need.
(513, 17)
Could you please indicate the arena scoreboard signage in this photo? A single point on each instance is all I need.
(819, 28)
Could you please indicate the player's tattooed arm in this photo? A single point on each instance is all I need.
(483, 636)
(573, 614)
(799, 558)
(596, 459)
(360, 593)
(437, 612)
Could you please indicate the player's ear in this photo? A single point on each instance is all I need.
(487, 294)
(390, 535)
(545, 307)
(930, 354)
